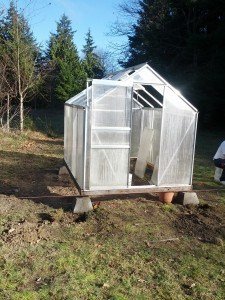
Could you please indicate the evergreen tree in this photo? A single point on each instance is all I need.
(92, 62)
(67, 76)
(185, 41)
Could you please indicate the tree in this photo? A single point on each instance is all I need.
(67, 77)
(19, 51)
(92, 63)
(108, 61)
(185, 41)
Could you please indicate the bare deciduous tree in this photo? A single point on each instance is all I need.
(19, 54)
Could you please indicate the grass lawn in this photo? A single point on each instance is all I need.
(121, 250)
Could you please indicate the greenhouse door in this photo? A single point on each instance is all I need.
(177, 142)
(110, 134)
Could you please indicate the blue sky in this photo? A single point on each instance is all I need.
(94, 14)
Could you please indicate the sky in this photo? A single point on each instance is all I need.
(97, 15)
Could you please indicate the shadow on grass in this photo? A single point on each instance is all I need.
(24, 174)
(47, 142)
(49, 121)
(30, 175)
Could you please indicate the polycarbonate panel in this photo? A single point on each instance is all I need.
(107, 118)
(136, 129)
(68, 135)
(106, 137)
(74, 130)
(80, 147)
(120, 75)
(111, 106)
(73, 141)
(177, 141)
(81, 98)
(109, 167)
(152, 120)
(146, 76)
(143, 153)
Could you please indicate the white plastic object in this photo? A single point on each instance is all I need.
(217, 175)
(130, 179)
(143, 153)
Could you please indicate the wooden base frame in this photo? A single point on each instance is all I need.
(144, 189)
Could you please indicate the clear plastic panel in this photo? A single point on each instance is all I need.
(68, 135)
(143, 153)
(80, 147)
(81, 98)
(177, 141)
(146, 76)
(152, 120)
(109, 167)
(136, 130)
(150, 139)
(74, 142)
(111, 106)
(105, 137)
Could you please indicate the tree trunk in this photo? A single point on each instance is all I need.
(21, 114)
(7, 120)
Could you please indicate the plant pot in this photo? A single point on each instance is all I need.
(166, 197)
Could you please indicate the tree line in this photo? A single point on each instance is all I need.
(185, 41)
(30, 75)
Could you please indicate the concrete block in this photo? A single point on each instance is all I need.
(186, 198)
(63, 171)
(83, 204)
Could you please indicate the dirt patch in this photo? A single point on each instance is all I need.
(23, 221)
(137, 180)
(204, 222)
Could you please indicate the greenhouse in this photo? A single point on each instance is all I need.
(130, 132)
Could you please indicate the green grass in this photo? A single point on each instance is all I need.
(103, 258)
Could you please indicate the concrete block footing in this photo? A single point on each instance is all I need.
(186, 198)
(63, 171)
(83, 204)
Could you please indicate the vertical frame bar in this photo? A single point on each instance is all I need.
(89, 137)
(160, 148)
(194, 143)
(65, 132)
(131, 117)
(85, 135)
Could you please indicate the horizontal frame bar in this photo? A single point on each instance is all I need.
(110, 146)
(112, 128)
(111, 82)
(75, 105)
(136, 190)
(108, 110)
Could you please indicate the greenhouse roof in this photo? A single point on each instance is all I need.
(142, 77)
